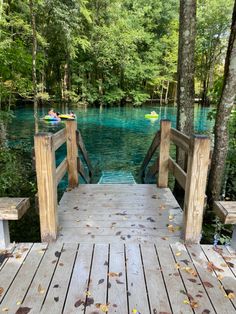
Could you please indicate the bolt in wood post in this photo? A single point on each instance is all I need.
(47, 186)
(72, 153)
(164, 154)
(198, 161)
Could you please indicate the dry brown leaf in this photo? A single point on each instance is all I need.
(1, 290)
(211, 267)
(207, 284)
(113, 274)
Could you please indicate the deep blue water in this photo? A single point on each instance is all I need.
(116, 138)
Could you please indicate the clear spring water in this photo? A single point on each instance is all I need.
(116, 138)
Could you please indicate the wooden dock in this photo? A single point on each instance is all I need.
(137, 213)
(119, 248)
(118, 278)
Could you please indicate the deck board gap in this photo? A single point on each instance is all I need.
(215, 275)
(89, 278)
(16, 274)
(108, 270)
(34, 275)
(49, 285)
(126, 277)
(200, 278)
(145, 279)
(163, 278)
(77, 250)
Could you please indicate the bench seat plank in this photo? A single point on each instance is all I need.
(13, 208)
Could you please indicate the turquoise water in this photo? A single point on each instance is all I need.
(116, 138)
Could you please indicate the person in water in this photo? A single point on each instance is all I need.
(153, 113)
(52, 113)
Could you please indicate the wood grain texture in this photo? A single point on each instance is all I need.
(197, 169)
(47, 185)
(178, 172)
(13, 208)
(164, 154)
(180, 139)
(61, 170)
(59, 138)
(72, 153)
(226, 210)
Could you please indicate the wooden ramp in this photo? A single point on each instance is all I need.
(117, 278)
(118, 213)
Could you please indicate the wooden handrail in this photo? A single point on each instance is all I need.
(179, 139)
(61, 170)
(153, 147)
(82, 171)
(59, 138)
(152, 171)
(84, 153)
(178, 172)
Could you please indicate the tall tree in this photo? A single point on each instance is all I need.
(34, 54)
(224, 109)
(185, 96)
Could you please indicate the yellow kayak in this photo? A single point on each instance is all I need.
(66, 116)
(151, 116)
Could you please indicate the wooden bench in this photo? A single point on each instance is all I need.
(226, 210)
(10, 209)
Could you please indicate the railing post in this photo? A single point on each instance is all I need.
(198, 161)
(164, 153)
(47, 186)
(72, 153)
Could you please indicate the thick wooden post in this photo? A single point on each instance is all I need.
(72, 153)
(47, 186)
(198, 161)
(164, 154)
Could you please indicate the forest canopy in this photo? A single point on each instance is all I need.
(107, 51)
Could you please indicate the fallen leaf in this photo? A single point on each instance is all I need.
(178, 253)
(164, 238)
(100, 281)
(1, 290)
(78, 303)
(177, 265)
(185, 261)
(104, 308)
(88, 293)
(207, 284)
(206, 311)
(61, 264)
(23, 310)
(171, 228)
(89, 301)
(186, 301)
(56, 299)
(211, 267)
(118, 233)
(192, 280)
(57, 254)
(171, 217)
(230, 264)
(56, 286)
(223, 265)
(113, 274)
(220, 277)
(119, 282)
(40, 289)
(18, 303)
(230, 295)
(5, 309)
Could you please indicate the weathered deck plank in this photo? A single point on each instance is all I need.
(84, 278)
(121, 212)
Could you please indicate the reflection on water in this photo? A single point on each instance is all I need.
(116, 138)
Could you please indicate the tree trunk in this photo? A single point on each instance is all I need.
(167, 91)
(185, 92)
(185, 88)
(34, 54)
(224, 108)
